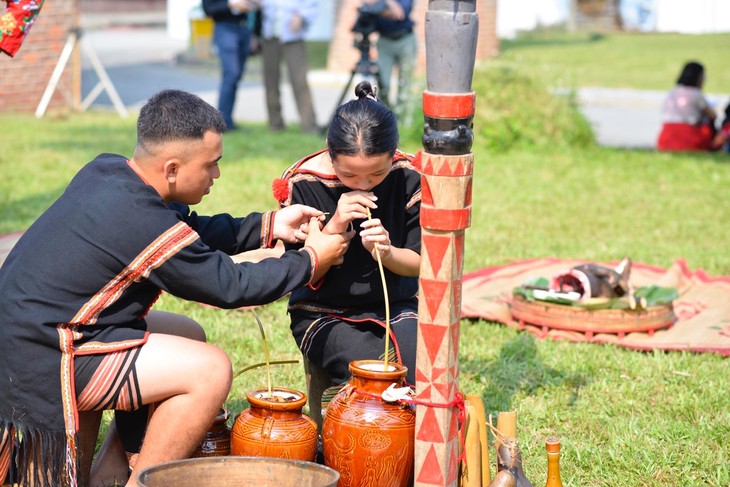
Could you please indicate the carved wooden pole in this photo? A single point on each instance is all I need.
(446, 164)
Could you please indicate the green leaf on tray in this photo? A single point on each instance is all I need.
(657, 295)
(653, 296)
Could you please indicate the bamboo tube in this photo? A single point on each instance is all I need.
(471, 468)
(476, 401)
(507, 426)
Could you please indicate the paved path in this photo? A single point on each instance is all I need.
(141, 60)
(6, 243)
(138, 70)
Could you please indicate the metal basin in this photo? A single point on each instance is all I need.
(238, 471)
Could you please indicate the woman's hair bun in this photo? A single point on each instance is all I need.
(364, 90)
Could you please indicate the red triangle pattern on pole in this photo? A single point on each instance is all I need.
(431, 469)
(453, 469)
(426, 196)
(433, 337)
(456, 296)
(459, 250)
(436, 247)
(430, 429)
(433, 295)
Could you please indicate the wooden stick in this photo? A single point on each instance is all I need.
(481, 416)
(471, 467)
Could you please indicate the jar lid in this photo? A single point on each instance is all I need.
(552, 444)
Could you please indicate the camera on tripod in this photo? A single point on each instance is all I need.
(365, 25)
(368, 13)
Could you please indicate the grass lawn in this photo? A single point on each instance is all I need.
(626, 418)
(621, 60)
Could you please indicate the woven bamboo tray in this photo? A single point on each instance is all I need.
(551, 316)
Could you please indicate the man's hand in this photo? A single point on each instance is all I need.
(296, 23)
(393, 10)
(351, 206)
(330, 249)
(240, 6)
(291, 224)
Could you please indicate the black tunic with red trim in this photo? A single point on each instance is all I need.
(353, 292)
(82, 277)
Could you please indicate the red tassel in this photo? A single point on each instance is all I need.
(280, 188)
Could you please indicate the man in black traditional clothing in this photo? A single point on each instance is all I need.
(76, 332)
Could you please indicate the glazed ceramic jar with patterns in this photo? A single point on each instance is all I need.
(275, 426)
(369, 441)
(217, 441)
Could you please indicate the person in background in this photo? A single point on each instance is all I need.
(284, 24)
(77, 333)
(360, 174)
(396, 48)
(232, 39)
(722, 139)
(688, 119)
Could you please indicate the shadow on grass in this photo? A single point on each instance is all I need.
(518, 369)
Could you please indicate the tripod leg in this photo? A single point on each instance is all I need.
(346, 89)
(103, 80)
(56, 76)
(342, 97)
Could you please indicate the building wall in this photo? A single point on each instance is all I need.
(343, 55)
(696, 17)
(25, 77)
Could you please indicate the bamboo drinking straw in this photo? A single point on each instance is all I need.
(387, 303)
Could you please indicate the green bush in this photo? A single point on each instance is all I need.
(517, 111)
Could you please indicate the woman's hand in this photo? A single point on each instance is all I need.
(375, 236)
(351, 206)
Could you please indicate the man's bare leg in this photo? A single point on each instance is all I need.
(111, 464)
(89, 422)
(189, 380)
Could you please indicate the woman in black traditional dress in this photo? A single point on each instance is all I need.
(366, 185)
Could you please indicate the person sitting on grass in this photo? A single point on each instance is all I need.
(688, 119)
(360, 174)
(722, 138)
(76, 332)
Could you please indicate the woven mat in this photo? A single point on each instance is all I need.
(703, 308)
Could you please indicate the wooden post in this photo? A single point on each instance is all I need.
(446, 165)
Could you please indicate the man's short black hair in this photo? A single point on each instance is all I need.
(176, 115)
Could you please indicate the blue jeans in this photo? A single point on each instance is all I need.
(233, 41)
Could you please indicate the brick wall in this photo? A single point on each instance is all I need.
(24, 77)
(343, 55)
(126, 6)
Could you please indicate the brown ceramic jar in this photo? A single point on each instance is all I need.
(367, 440)
(275, 427)
(217, 441)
